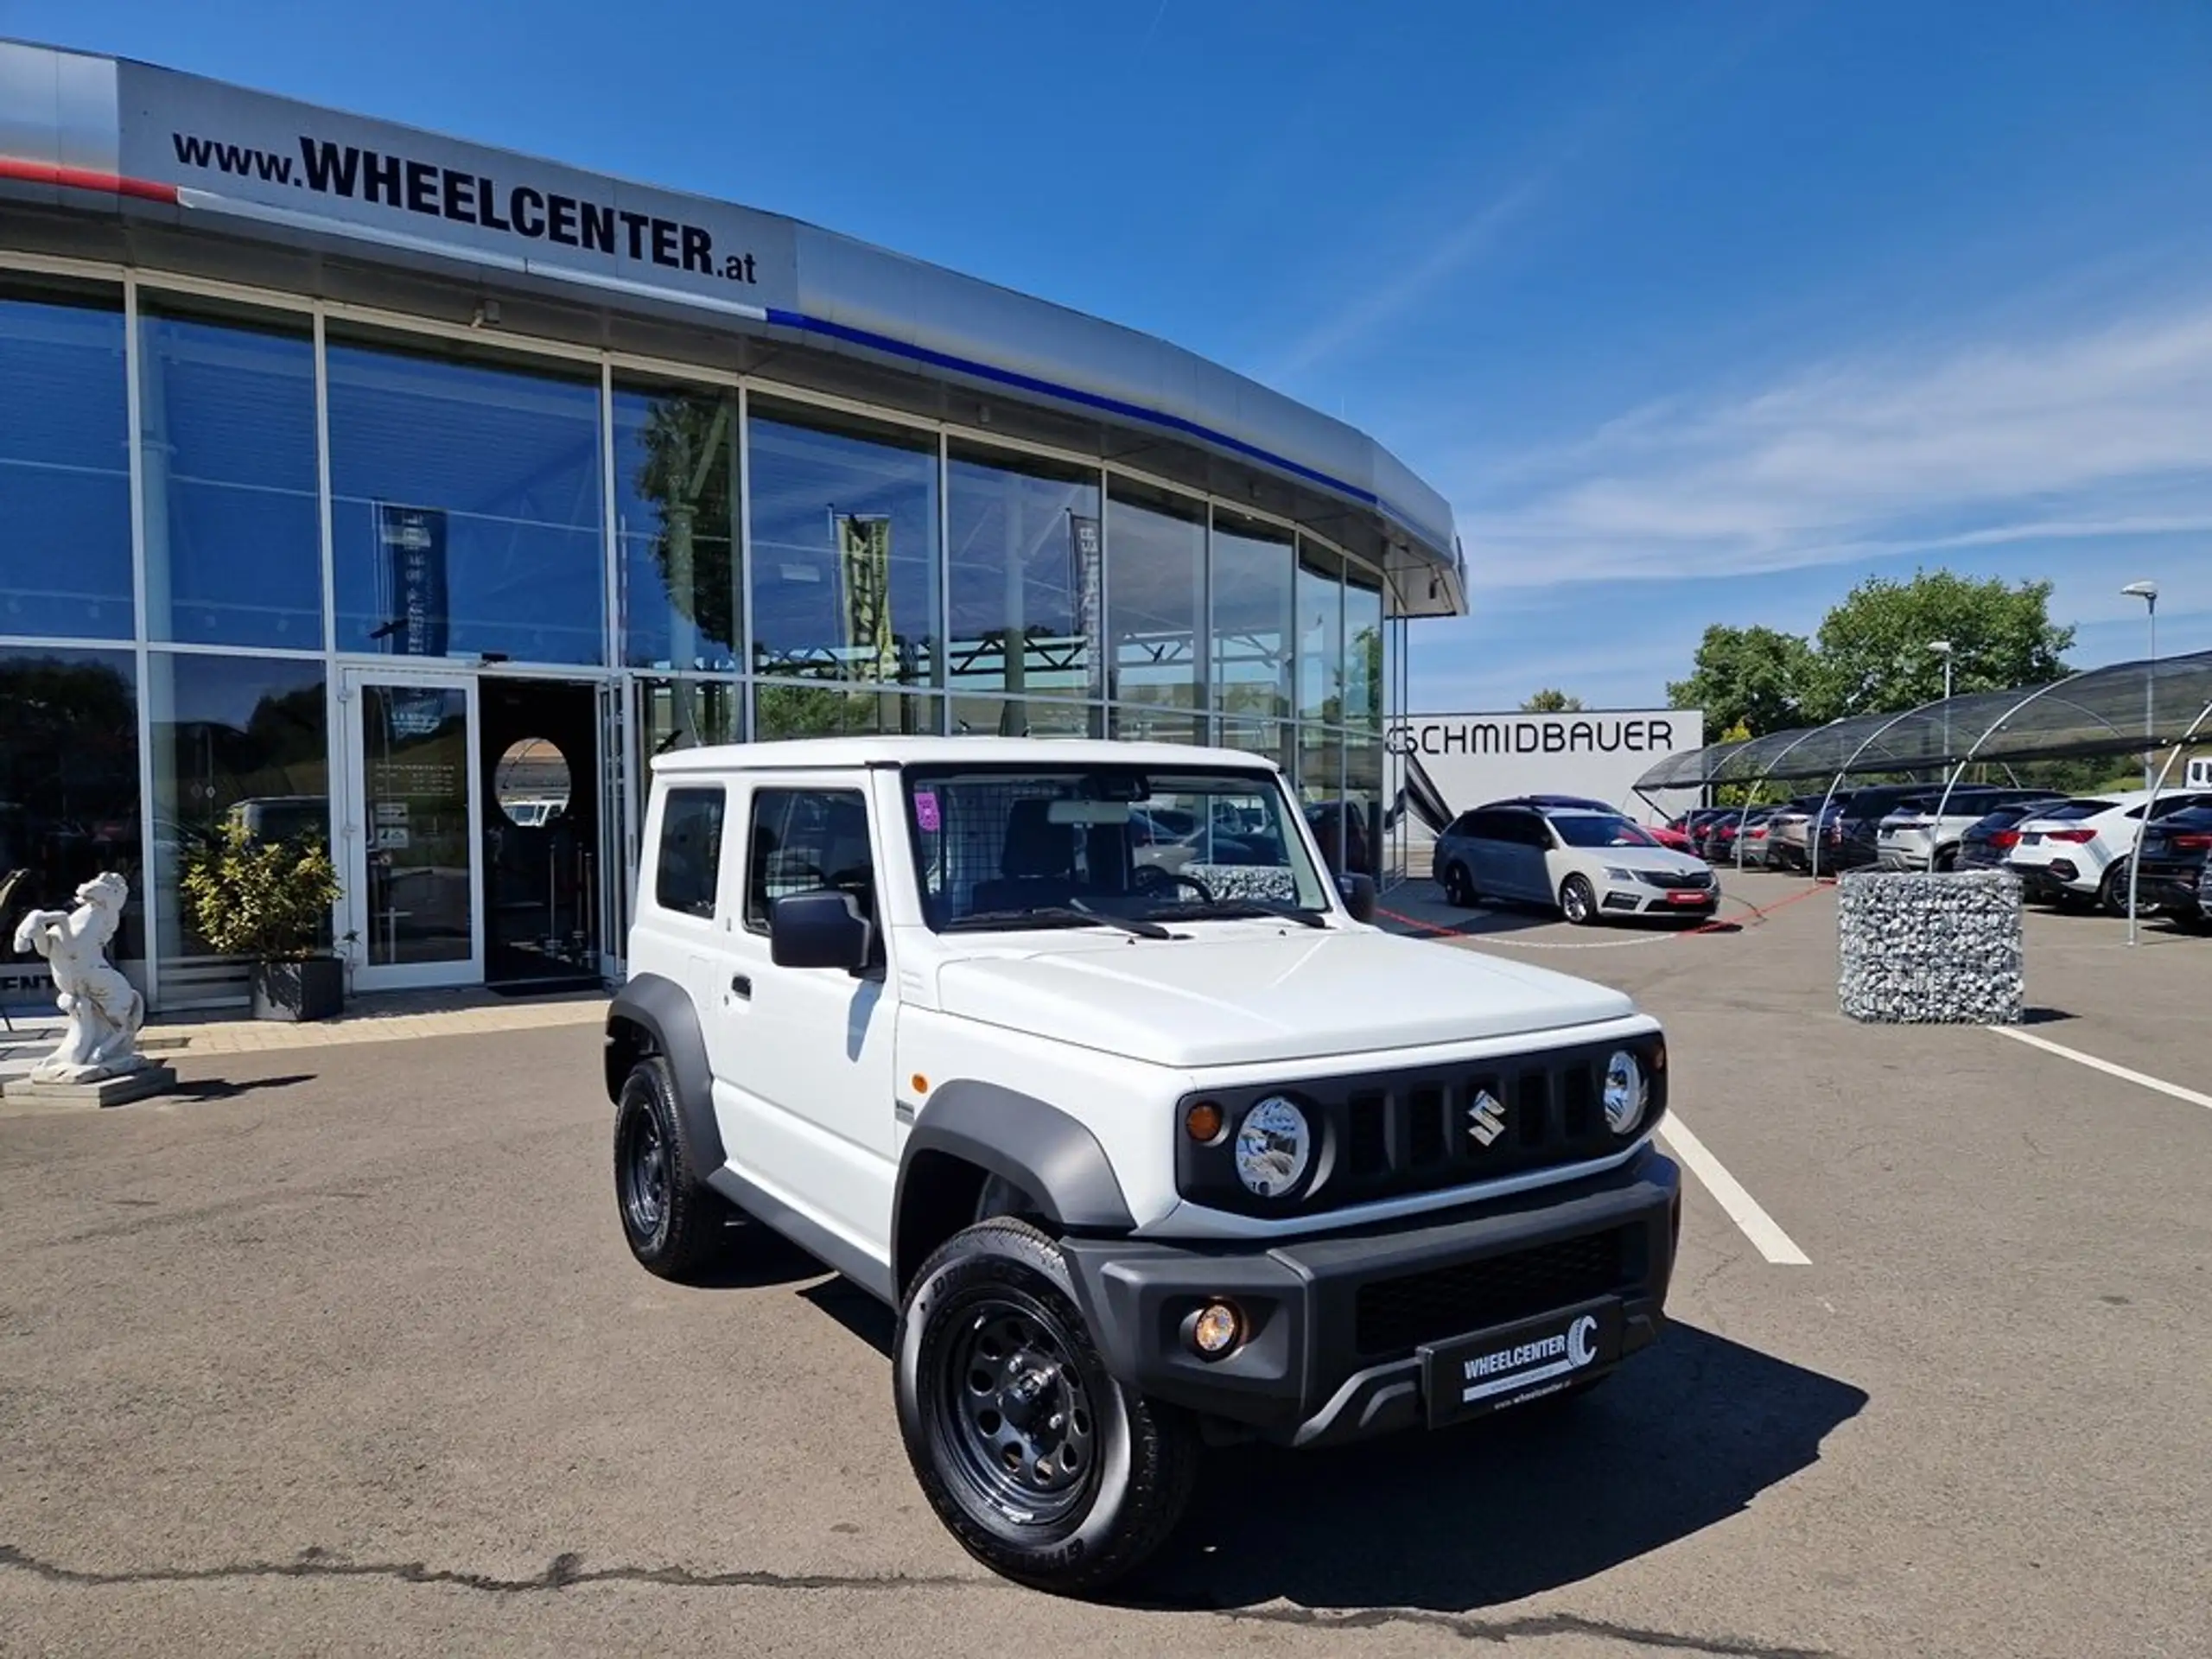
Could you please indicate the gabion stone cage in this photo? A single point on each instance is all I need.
(1930, 949)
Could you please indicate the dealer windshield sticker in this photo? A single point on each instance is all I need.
(1506, 1368)
(925, 815)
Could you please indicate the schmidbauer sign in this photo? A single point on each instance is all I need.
(1457, 761)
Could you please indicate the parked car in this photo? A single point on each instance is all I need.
(1589, 865)
(2078, 851)
(1719, 847)
(1135, 1165)
(1911, 836)
(1991, 838)
(2173, 857)
(1788, 835)
(1852, 840)
(1671, 838)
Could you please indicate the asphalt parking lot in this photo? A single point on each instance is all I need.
(343, 1353)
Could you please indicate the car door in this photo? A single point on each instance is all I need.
(812, 1089)
(1525, 872)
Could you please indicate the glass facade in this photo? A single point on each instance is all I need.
(226, 440)
(336, 521)
(65, 462)
(465, 505)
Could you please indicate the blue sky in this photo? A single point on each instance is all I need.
(1696, 313)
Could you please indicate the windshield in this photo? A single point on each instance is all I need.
(1005, 846)
(1596, 829)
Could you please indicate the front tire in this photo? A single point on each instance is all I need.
(1046, 1469)
(672, 1221)
(1578, 901)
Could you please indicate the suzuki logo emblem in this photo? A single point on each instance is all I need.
(1485, 1118)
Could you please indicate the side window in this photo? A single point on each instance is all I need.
(1465, 824)
(1526, 829)
(803, 841)
(686, 865)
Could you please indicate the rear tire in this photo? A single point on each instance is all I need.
(2112, 891)
(673, 1222)
(1578, 901)
(1091, 1479)
(1458, 887)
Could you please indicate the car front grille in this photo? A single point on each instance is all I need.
(1678, 878)
(1388, 1134)
(1393, 1316)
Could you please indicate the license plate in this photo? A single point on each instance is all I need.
(1510, 1364)
(1690, 898)
(2031, 839)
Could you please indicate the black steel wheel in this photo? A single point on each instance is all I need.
(1578, 901)
(1046, 1468)
(1013, 1410)
(673, 1223)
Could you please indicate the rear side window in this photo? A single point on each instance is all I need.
(688, 863)
(804, 840)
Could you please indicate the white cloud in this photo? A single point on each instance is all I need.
(2105, 434)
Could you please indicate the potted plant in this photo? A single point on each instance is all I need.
(269, 901)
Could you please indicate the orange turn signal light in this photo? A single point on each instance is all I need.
(1203, 1122)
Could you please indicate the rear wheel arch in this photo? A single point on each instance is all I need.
(653, 1017)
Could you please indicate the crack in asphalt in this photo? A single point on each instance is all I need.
(1538, 1626)
(564, 1571)
(567, 1571)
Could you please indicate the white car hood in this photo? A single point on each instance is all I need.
(1639, 858)
(1224, 999)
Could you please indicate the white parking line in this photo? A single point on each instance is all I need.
(2106, 1066)
(1769, 1240)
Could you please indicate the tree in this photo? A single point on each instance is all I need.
(1756, 677)
(1873, 652)
(1550, 701)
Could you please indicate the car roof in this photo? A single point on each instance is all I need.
(853, 753)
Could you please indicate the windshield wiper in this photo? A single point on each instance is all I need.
(1236, 909)
(1075, 913)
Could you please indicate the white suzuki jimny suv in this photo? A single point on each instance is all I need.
(1076, 1055)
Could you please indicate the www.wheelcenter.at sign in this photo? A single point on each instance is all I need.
(1452, 762)
(280, 162)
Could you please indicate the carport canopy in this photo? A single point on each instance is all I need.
(2125, 707)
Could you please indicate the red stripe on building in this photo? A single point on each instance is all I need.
(83, 178)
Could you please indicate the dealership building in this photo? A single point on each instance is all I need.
(360, 479)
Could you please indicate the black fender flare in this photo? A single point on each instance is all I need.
(664, 1011)
(1039, 1148)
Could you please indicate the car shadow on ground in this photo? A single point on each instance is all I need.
(1685, 1436)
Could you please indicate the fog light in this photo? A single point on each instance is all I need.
(1214, 1330)
(1203, 1122)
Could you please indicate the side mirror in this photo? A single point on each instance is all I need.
(1358, 895)
(819, 929)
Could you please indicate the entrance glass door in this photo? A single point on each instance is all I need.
(415, 879)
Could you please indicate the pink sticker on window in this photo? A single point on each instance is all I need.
(925, 811)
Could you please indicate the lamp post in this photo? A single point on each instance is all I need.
(2148, 593)
(1943, 648)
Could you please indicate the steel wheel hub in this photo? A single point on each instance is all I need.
(1016, 1415)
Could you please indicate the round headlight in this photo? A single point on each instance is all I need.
(1625, 1092)
(1274, 1146)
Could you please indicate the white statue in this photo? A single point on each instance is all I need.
(103, 1008)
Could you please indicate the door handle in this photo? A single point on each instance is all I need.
(741, 984)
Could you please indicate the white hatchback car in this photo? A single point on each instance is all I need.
(2081, 850)
(1587, 864)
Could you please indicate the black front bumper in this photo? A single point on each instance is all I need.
(1335, 1321)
